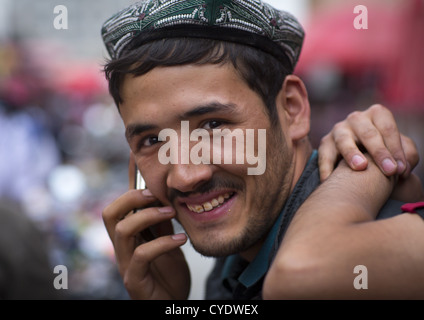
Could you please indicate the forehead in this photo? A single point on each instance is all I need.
(179, 88)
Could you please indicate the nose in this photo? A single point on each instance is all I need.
(187, 177)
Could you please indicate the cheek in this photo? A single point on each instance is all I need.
(239, 170)
(154, 175)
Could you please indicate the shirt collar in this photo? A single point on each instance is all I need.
(260, 264)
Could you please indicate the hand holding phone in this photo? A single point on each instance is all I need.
(144, 261)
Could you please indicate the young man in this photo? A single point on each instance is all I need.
(183, 72)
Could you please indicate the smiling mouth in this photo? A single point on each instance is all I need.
(210, 205)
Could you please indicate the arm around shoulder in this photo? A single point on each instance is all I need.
(335, 231)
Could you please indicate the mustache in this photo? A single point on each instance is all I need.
(213, 184)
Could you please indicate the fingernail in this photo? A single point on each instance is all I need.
(179, 237)
(357, 160)
(147, 193)
(166, 210)
(401, 167)
(407, 172)
(388, 165)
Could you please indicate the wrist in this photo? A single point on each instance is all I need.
(368, 189)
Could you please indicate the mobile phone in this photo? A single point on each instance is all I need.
(140, 183)
(139, 180)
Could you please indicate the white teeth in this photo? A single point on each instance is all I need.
(208, 206)
(198, 209)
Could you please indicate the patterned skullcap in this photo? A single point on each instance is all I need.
(249, 22)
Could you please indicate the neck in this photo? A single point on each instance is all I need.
(302, 152)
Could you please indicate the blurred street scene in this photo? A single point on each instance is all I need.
(63, 154)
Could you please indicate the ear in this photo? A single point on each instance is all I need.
(293, 101)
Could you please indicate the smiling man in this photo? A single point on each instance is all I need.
(215, 65)
(235, 224)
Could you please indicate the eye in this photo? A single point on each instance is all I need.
(212, 124)
(149, 141)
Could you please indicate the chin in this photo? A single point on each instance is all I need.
(216, 245)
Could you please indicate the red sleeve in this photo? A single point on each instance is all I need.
(411, 207)
(417, 207)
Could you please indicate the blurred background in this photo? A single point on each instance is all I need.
(63, 155)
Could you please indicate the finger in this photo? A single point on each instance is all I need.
(134, 223)
(138, 273)
(411, 155)
(127, 230)
(346, 143)
(126, 203)
(369, 136)
(327, 157)
(385, 123)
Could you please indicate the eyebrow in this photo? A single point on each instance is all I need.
(138, 128)
(208, 108)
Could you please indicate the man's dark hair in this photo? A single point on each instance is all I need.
(262, 72)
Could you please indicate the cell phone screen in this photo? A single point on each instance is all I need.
(139, 180)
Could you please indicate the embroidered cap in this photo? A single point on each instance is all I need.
(249, 22)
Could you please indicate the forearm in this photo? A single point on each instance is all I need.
(325, 242)
(345, 199)
(357, 195)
